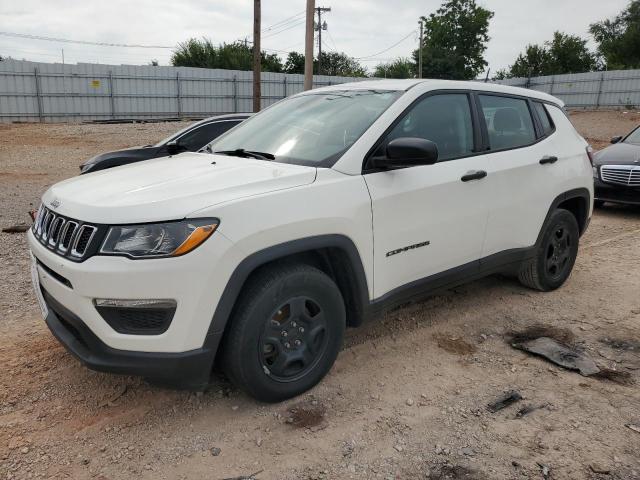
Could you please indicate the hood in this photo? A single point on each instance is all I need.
(619, 154)
(170, 188)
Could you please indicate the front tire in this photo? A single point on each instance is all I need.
(286, 332)
(555, 255)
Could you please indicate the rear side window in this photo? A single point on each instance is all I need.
(444, 119)
(509, 122)
(199, 137)
(545, 120)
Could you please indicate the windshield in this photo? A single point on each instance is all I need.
(634, 137)
(313, 129)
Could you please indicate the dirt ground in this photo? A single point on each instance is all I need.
(407, 398)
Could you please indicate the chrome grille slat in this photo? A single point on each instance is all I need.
(621, 174)
(67, 237)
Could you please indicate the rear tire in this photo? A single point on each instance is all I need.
(555, 255)
(286, 332)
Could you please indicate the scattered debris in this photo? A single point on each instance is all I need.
(633, 426)
(215, 451)
(598, 468)
(245, 477)
(20, 228)
(409, 402)
(560, 354)
(454, 344)
(306, 414)
(545, 470)
(615, 376)
(504, 401)
(527, 409)
(450, 472)
(110, 402)
(620, 344)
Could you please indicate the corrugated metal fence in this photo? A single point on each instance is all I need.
(611, 89)
(52, 92)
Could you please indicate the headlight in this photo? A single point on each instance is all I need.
(595, 172)
(153, 240)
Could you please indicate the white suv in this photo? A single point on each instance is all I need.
(312, 216)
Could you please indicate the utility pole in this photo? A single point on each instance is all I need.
(420, 51)
(256, 56)
(321, 27)
(308, 46)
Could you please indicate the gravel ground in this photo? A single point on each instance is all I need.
(406, 399)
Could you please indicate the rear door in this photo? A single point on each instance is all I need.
(429, 219)
(523, 168)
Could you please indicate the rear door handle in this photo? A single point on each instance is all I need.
(548, 159)
(473, 175)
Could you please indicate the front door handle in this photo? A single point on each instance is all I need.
(548, 159)
(473, 175)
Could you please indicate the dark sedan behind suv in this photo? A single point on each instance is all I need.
(616, 171)
(190, 139)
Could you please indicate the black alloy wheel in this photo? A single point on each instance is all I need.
(294, 339)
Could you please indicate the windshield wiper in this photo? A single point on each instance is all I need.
(241, 152)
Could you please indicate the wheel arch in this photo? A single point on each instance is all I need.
(336, 255)
(577, 202)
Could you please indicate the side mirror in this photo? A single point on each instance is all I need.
(409, 152)
(616, 139)
(174, 147)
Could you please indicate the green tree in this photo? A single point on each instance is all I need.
(563, 54)
(455, 39)
(154, 63)
(294, 63)
(398, 68)
(619, 39)
(340, 64)
(232, 56)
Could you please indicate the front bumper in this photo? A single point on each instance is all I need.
(185, 351)
(190, 369)
(616, 193)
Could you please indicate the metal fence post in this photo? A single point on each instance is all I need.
(235, 94)
(38, 94)
(284, 86)
(178, 98)
(599, 90)
(112, 104)
(553, 84)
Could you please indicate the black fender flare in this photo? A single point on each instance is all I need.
(563, 197)
(246, 267)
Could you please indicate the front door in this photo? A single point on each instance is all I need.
(430, 219)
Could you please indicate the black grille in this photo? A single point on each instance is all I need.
(138, 321)
(68, 238)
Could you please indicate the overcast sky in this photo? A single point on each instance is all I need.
(361, 28)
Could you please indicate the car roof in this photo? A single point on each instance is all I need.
(434, 84)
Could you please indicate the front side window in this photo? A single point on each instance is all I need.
(314, 129)
(445, 119)
(509, 122)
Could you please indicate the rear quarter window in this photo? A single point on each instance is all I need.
(545, 120)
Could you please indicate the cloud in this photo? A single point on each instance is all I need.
(357, 27)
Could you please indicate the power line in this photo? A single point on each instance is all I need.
(388, 48)
(83, 42)
(301, 22)
(286, 20)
